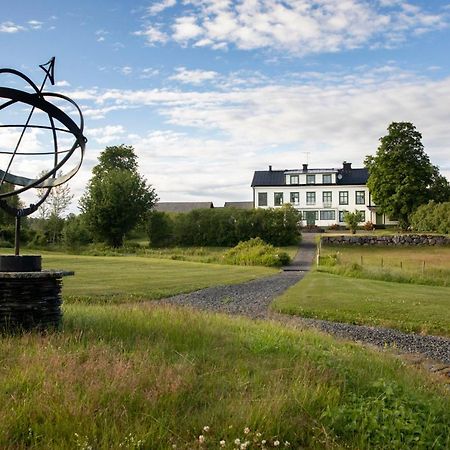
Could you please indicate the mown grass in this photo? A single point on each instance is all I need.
(410, 308)
(107, 279)
(150, 377)
(418, 265)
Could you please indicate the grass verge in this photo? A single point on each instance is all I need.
(410, 308)
(107, 279)
(151, 377)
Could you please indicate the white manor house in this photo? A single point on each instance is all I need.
(321, 195)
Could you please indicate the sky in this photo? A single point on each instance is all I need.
(208, 91)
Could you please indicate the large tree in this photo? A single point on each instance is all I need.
(401, 176)
(117, 196)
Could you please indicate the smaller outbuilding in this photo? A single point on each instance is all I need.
(182, 207)
(239, 205)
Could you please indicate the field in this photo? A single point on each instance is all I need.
(117, 279)
(420, 265)
(140, 376)
(408, 307)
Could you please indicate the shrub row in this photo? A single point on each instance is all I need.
(224, 227)
(432, 217)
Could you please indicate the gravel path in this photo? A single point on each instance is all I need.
(252, 299)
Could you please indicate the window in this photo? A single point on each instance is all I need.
(294, 179)
(310, 179)
(310, 215)
(327, 197)
(262, 198)
(295, 198)
(360, 197)
(327, 215)
(343, 197)
(341, 216)
(310, 198)
(278, 198)
(326, 179)
(363, 216)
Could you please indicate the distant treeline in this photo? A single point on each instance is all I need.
(224, 227)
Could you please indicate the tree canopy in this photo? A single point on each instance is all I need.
(117, 196)
(401, 176)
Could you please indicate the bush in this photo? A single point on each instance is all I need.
(369, 226)
(352, 220)
(160, 229)
(75, 232)
(255, 252)
(433, 217)
(335, 226)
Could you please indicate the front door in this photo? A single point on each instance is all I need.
(379, 219)
(310, 217)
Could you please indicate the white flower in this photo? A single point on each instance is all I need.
(201, 439)
(263, 442)
(222, 443)
(243, 446)
(258, 434)
(287, 444)
(206, 428)
(276, 443)
(237, 441)
(246, 430)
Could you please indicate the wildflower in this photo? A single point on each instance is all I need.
(222, 443)
(206, 428)
(243, 446)
(287, 444)
(237, 441)
(201, 439)
(258, 434)
(246, 430)
(276, 443)
(263, 442)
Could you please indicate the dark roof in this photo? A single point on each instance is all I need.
(182, 207)
(239, 205)
(353, 176)
(277, 178)
(268, 178)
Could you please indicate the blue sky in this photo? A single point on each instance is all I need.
(207, 91)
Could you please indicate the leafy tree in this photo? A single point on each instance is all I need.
(57, 201)
(117, 196)
(75, 232)
(432, 217)
(5, 217)
(352, 219)
(160, 229)
(401, 176)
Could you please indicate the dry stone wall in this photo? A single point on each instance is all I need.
(394, 240)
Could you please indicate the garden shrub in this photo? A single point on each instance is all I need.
(433, 217)
(369, 226)
(255, 252)
(75, 232)
(160, 229)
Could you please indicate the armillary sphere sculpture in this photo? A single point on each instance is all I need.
(33, 152)
(17, 157)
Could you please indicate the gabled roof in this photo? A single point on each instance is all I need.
(239, 205)
(182, 207)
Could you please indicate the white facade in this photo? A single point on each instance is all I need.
(321, 196)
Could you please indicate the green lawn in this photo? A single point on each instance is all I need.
(141, 376)
(128, 278)
(407, 307)
(419, 265)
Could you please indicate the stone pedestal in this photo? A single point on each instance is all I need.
(30, 300)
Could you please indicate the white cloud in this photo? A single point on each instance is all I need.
(158, 7)
(101, 35)
(126, 70)
(35, 24)
(107, 134)
(193, 76)
(298, 26)
(62, 83)
(10, 27)
(153, 35)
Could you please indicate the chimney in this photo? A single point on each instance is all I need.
(347, 166)
(305, 167)
(270, 168)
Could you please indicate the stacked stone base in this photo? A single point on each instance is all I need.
(30, 300)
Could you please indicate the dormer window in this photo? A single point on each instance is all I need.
(310, 179)
(294, 179)
(326, 179)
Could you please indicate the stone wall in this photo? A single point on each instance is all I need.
(398, 240)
